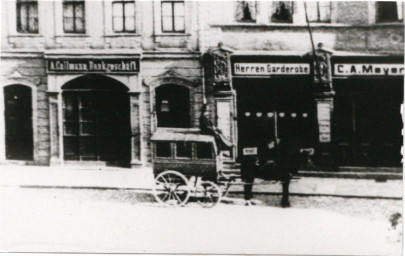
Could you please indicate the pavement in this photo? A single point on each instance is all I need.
(85, 221)
(142, 179)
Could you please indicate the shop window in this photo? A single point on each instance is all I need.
(74, 16)
(282, 11)
(27, 16)
(390, 11)
(173, 16)
(319, 11)
(183, 149)
(163, 149)
(124, 16)
(246, 11)
(173, 106)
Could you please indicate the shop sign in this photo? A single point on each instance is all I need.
(258, 69)
(325, 137)
(347, 69)
(93, 65)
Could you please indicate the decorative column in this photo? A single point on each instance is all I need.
(324, 93)
(2, 127)
(54, 108)
(136, 129)
(219, 85)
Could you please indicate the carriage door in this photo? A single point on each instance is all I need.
(18, 118)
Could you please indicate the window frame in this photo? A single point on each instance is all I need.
(291, 9)
(124, 16)
(173, 17)
(75, 4)
(377, 7)
(318, 12)
(27, 3)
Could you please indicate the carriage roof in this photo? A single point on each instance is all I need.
(163, 135)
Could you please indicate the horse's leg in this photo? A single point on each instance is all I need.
(284, 200)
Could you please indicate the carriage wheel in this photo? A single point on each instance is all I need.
(208, 194)
(171, 188)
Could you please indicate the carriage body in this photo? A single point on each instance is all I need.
(185, 151)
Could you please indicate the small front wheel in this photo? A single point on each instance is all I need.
(171, 188)
(208, 194)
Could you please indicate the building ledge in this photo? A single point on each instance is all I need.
(304, 25)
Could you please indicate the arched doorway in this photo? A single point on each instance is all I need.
(96, 120)
(173, 106)
(18, 122)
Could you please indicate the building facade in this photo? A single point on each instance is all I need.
(89, 82)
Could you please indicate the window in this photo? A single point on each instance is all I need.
(173, 106)
(183, 149)
(73, 16)
(282, 11)
(163, 149)
(319, 11)
(390, 11)
(27, 16)
(205, 151)
(124, 16)
(246, 11)
(173, 16)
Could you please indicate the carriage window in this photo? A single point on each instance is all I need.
(204, 150)
(183, 149)
(163, 149)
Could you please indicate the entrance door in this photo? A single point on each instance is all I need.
(96, 124)
(269, 109)
(18, 117)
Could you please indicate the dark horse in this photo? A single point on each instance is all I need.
(279, 163)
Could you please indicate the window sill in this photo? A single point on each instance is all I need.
(304, 25)
(171, 35)
(72, 35)
(26, 35)
(123, 35)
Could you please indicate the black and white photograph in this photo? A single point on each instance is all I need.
(201, 127)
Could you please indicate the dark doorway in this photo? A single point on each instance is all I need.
(96, 120)
(173, 106)
(18, 117)
(368, 122)
(270, 108)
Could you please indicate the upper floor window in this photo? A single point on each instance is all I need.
(246, 11)
(390, 11)
(173, 16)
(319, 11)
(124, 16)
(27, 16)
(73, 16)
(282, 11)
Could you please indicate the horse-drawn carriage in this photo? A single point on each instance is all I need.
(186, 165)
